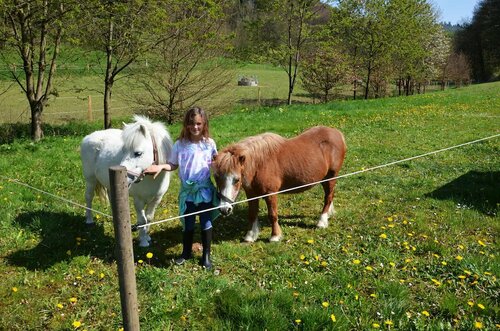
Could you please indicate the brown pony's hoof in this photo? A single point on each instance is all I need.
(275, 239)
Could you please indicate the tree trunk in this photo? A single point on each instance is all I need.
(36, 121)
(368, 75)
(108, 81)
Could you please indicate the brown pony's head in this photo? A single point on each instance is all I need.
(227, 168)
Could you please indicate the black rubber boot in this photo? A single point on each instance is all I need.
(206, 241)
(187, 244)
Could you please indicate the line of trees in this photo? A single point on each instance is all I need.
(372, 45)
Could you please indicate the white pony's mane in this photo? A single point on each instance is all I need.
(132, 136)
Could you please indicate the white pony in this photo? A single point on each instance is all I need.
(136, 147)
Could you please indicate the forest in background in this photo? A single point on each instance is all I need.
(369, 46)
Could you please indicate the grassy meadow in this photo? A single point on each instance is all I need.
(413, 246)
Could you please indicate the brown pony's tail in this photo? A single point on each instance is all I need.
(102, 193)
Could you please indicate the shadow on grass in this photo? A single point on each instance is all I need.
(63, 236)
(477, 190)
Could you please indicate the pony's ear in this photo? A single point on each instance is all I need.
(143, 130)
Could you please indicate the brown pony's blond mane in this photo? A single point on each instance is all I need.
(256, 150)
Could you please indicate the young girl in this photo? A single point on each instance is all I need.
(192, 154)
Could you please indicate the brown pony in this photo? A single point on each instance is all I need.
(269, 163)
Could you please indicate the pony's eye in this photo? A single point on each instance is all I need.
(236, 180)
(138, 154)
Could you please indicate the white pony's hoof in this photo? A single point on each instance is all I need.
(250, 237)
(275, 239)
(323, 222)
(89, 222)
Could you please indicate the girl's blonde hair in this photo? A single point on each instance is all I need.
(188, 120)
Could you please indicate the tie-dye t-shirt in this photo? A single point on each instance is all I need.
(194, 161)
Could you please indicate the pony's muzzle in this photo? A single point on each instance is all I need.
(226, 209)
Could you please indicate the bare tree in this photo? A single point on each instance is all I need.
(190, 65)
(34, 29)
(295, 15)
(123, 31)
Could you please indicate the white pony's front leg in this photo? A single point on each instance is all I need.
(323, 220)
(144, 237)
(89, 196)
(253, 234)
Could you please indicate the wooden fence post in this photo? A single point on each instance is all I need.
(124, 247)
(89, 108)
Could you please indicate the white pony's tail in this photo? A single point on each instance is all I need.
(102, 193)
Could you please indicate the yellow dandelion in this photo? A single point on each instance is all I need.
(140, 261)
(324, 263)
(368, 268)
(98, 216)
(356, 297)
(356, 261)
(478, 325)
(459, 257)
(298, 321)
(481, 306)
(408, 260)
(388, 322)
(310, 241)
(467, 272)
(390, 219)
(373, 295)
(91, 272)
(480, 242)
(60, 306)
(460, 247)
(295, 294)
(316, 257)
(444, 263)
(392, 264)
(470, 303)
(14, 289)
(306, 262)
(101, 275)
(325, 304)
(73, 300)
(461, 276)
(77, 324)
(383, 236)
(487, 273)
(425, 313)
(376, 326)
(302, 256)
(391, 225)
(333, 318)
(435, 281)
(149, 255)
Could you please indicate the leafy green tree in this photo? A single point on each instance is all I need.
(479, 40)
(33, 30)
(324, 70)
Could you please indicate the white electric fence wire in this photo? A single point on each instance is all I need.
(53, 195)
(328, 179)
(258, 197)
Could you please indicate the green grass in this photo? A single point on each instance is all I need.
(412, 239)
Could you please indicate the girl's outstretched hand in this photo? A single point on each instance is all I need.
(154, 169)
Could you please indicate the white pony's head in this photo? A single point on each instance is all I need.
(144, 143)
